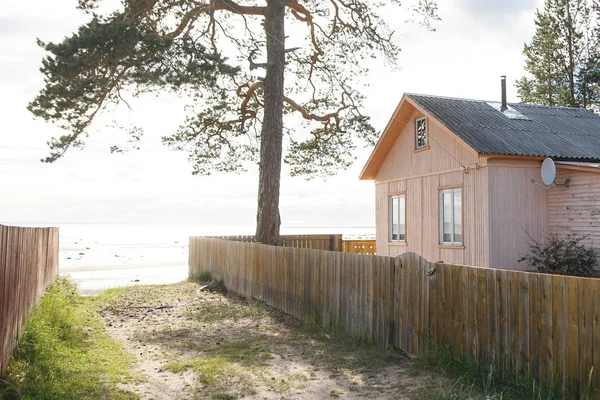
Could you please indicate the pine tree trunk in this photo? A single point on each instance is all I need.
(570, 52)
(267, 219)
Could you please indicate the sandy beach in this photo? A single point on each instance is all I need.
(97, 257)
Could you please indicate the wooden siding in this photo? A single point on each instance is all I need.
(576, 209)
(517, 211)
(422, 217)
(476, 218)
(502, 209)
(531, 324)
(28, 261)
(445, 153)
(382, 191)
(395, 126)
(420, 175)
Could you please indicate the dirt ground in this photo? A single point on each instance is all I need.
(195, 344)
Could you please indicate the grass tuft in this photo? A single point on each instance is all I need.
(229, 309)
(65, 353)
(208, 282)
(224, 360)
(365, 356)
(481, 381)
(200, 277)
(224, 396)
(209, 371)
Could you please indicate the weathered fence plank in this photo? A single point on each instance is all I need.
(546, 327)
(572, 333)
(585, 327)
(502, 295)
(28, 261)
(559, 321)
(534, 324)
(482, 327)
(595, 290)
(492, 348)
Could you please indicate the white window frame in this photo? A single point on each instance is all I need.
(453, 242)
(417, 147)
(390, 216)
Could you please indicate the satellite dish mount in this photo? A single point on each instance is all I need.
(549, 175)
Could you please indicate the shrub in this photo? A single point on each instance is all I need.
(200, 277)
(563, 256)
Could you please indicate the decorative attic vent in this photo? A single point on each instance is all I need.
(510, 112)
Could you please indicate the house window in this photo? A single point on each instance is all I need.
(451, 217)
(421, 139)
(397, 218)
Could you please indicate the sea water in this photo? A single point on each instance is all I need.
(101, 256)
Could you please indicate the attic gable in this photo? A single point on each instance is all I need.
(402, 117)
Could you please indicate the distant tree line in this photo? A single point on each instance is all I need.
(563, 57)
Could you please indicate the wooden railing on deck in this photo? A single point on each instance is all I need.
(359, 246)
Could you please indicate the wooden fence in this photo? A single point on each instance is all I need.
(359, 246)
(319, 242)
(542, 326)
(28, 261)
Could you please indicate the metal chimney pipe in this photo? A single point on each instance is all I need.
(504, 106)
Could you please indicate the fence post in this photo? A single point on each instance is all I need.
(335, 243)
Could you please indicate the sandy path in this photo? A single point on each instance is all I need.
(192, 344)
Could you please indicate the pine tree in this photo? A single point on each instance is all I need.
(561, 58)
(181, 46)
(542, 62)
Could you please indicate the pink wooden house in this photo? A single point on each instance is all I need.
(453, 179)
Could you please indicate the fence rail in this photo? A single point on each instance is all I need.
(542, 326)
(319, 242)
(28, 261)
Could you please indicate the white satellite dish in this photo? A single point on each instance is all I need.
(548, 171)
(549, 175)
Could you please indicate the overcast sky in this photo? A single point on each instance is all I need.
(475, 43)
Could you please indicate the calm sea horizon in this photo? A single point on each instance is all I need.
(101, 256)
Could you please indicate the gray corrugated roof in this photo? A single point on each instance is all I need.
(558, 132)
(579, 164)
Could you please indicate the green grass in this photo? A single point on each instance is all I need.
(206, 279)
(229, 310)
(201, 276)
(479, 381)
(224, 396)
(349, 352)
(224, 360)
(119, 298)
(65, 352)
